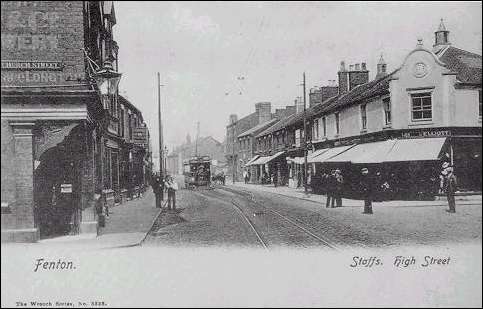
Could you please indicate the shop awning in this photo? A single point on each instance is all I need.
(296, 160)
(375, 152)
(418, 149)
(252, 160)
(331, 152)
(278, 154)
(313, 155)
(260, 161)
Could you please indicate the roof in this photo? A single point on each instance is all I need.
(466, 64)
(277, 126)
(377, 87)
(257, 128)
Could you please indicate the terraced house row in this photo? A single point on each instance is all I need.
(402, 125)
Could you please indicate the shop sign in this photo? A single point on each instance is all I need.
(438, 133)
(140, 136)
(66, 188)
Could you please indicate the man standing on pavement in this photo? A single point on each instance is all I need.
(158, 188)
(172, 187)
(330, 183)
(366, 188)
(338, 187)
(450, 189)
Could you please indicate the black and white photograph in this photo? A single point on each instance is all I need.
(241, 154)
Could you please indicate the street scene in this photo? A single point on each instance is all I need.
(133, 129)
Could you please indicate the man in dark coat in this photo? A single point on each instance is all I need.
(367, 190)
(330, 184)
(338, 187)
(158, 188)
(450, 187)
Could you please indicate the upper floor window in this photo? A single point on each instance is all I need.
(297, 137)
(421, 106)
(387, 110)
(337, 123)
(324, 126)
(316, 129)
(364, 116)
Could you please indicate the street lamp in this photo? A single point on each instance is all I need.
(107, 81)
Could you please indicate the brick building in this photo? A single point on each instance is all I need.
(57, 135)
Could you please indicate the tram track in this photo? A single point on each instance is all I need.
(242, 215)
(300, 225)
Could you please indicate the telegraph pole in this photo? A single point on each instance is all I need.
(160, 131)
(197, 137)
(305, 141)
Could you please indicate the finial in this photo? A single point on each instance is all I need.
(420, 42)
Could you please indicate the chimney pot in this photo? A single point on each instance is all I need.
(342, 66)
(351, 67)
(363, 66)
(357, 67)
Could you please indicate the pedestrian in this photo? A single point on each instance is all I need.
(172, 187)
(275, 179)
(245, 176)
(330, 184)
(366, 188)
(450, 187)
(249, 175)
(338, 187)
(158, 188)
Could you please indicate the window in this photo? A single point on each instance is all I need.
(337, 124)
(121, 121)
(421, 106)
(479, 99)
(364, 116)
(316, 129)
(297, 138)
(324, 125)
(387, 111)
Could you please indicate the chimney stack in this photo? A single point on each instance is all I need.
(264, 111)
(357, 75)
(233, 118)
(381, 68)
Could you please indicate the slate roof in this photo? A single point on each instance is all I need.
(277, 126)
(377, 87)
(466, 64)
(257, 128)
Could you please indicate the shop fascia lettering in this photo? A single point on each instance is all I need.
(441, 133)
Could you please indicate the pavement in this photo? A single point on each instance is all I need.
(320, 198)
(127, 225)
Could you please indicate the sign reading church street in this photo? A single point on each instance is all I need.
(32, 65)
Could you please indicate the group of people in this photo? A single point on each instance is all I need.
(334, 184)
(161, 185)
(334, 187)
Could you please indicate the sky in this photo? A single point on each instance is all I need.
(220, 58)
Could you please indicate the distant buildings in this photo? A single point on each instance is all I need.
(204, 146)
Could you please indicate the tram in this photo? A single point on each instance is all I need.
(197, 172)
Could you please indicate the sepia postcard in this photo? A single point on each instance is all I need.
(241, 154)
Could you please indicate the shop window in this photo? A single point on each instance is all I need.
(421, 106)
(364, 116)
(387, 111)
